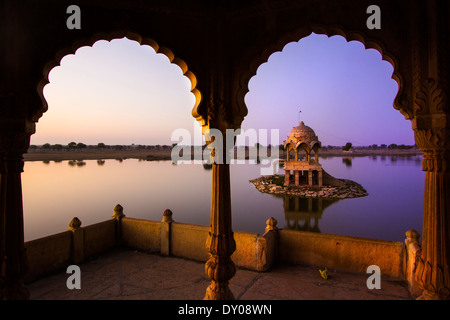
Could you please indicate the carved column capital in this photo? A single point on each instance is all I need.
(435, 143)
(432, 139)
(11, 162)
(12, 147)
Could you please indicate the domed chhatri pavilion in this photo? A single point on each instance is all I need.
(299, 146)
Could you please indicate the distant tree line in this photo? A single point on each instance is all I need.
(103, 146)
(391, 146)
(349, 146)
(100, 146)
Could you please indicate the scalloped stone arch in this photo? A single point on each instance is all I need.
(289, 146)
(108, 37)
(316, 146)
(303, 146)
(278, 46)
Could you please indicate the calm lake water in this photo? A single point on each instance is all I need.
(55, 192)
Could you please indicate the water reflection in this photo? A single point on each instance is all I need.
(146, 188)
(207, 166)
(347, 161)
(77, 163)
(303, 214)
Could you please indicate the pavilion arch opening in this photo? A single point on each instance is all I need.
(345, 91)
(111, 95)
(124, 35)
(302, 152)
(292, 153)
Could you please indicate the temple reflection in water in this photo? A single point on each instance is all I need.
(303, 214)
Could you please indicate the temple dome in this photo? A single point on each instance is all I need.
(303, 133)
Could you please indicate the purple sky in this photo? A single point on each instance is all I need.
(119, 92)
(344, 92)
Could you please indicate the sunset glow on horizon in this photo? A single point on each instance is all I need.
(120, 92)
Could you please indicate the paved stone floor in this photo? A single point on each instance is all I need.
(133, 275)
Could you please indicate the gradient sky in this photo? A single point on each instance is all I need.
(119, 92)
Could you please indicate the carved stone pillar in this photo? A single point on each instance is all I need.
(297, 177)
(320, 178)
(12, 252)
(221, 245)
(432, 273)
(287, 177)
(431, 125)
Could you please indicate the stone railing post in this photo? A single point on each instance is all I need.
(267, 246)
(77, 240)
(166, 224)
(412, 253)
(271, 225)
(117, 216)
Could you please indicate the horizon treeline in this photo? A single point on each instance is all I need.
(103, 146)
(99, 146)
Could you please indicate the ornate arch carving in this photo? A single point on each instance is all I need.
(108, 37)
(400, 102)
(302, 145)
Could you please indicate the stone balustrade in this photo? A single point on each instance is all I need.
(253, 251)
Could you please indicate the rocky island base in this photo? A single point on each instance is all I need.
(332, 188)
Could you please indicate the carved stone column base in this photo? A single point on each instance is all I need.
(14, 291)
(429, 295)
(217, 291)
(219, 270)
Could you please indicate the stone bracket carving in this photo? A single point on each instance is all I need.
(430, 98)
(432, 139)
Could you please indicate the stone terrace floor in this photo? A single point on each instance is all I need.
(131, 275)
